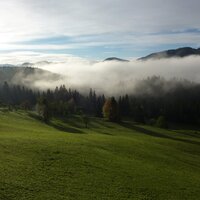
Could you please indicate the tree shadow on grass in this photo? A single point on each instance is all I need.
(105, 123)
(35, 116)
(57, 126)
(63, 128)
(156, 134)
(74, 124)
(194, 134)
(188, 130)
(104, 133)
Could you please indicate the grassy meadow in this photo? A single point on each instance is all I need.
(65, 160)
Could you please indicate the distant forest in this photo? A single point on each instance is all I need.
(175, 101)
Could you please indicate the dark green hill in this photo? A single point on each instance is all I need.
(178, 53)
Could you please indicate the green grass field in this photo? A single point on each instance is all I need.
(64, 160)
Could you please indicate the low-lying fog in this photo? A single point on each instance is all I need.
(109, 77)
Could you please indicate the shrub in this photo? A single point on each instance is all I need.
(161, 122)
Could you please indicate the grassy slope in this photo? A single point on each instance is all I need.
(106, 161)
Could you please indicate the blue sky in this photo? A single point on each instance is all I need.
(98, 29)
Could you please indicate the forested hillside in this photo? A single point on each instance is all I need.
(176, 101)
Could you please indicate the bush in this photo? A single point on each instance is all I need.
(161, 122)
(151, 122)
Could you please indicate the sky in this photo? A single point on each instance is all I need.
(95, 30)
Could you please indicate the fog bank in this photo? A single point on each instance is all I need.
(110, 77)
(121, 77)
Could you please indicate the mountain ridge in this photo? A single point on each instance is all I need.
(173, 53)
(115, 59)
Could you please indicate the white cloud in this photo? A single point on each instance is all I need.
(29, 19)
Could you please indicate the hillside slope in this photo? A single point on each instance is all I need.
(63, 160)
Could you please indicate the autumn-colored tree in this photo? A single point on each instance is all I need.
(110, 110)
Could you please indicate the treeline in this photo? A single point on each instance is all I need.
(60, 101)
(16, 96)
(176, 100)
(153, 99)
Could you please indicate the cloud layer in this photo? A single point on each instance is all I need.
(117, 77)
(109, 77)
